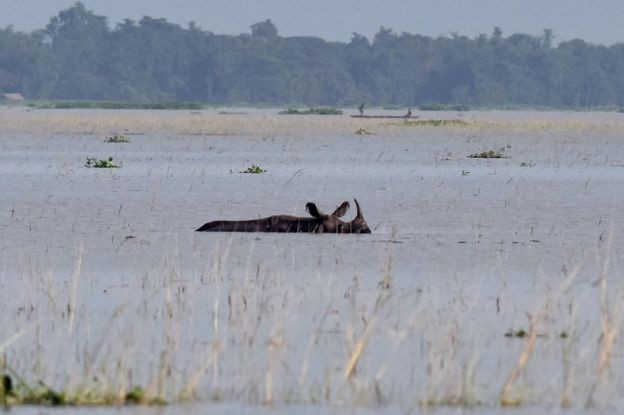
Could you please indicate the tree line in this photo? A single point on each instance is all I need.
(78, 56)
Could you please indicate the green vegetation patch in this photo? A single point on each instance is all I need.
(443, 107)
(93, 162)
(434, 123)
(14, 390)
(253, 170)
(394, 107)
(489, 154)
(312, 111)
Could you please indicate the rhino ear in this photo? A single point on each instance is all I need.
(341, 210)
(314, 211)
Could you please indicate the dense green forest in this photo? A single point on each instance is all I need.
(78, 56)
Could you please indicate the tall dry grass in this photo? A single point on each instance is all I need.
(246, 332)
(268, 123)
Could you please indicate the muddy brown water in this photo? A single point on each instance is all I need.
(103, 277)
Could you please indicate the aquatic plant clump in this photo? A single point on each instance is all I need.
(362, 131)
(489, 154)
(254, 169)
(94, 162)
(117, 138)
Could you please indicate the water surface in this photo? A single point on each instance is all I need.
(103, 277)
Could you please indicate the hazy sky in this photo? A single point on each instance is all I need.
(597, 21)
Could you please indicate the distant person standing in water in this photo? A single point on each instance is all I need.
(361, 109)
(409, 113)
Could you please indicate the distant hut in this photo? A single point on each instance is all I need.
(13, 97)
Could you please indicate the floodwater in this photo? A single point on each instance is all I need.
(104, 284)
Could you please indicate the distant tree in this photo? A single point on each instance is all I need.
(26, 64)
(75, 24)
(547, 38)
(78, 38)
(358, 60)
(497, 34)
(358, 40)
(264, 29)
(384, 37)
